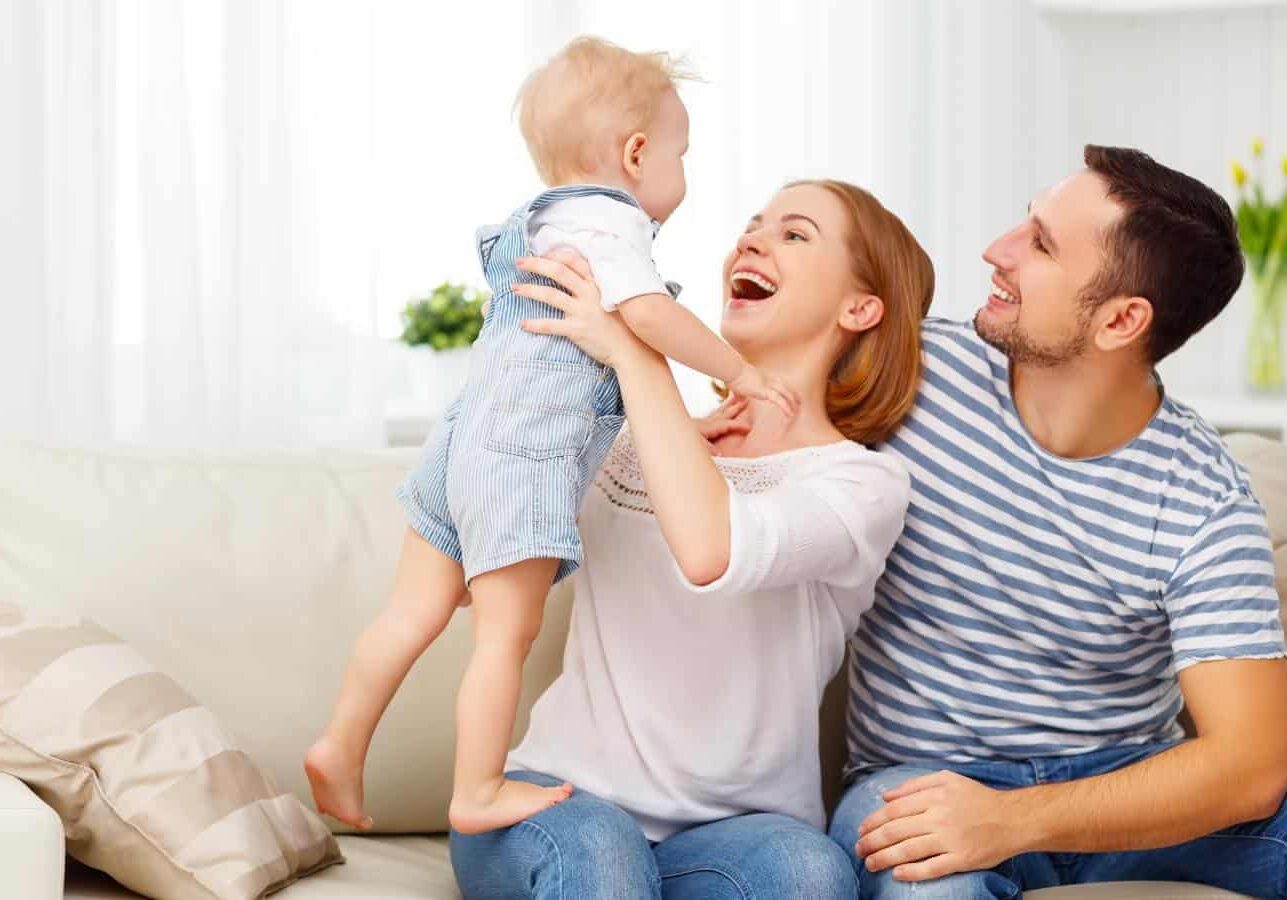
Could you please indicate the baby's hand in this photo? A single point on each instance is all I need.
(751, 382)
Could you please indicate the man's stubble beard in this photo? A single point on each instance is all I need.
(1020, 348)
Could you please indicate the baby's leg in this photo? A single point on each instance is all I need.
(428, 587)
(508, 604)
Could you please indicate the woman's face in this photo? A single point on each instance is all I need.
(788, 281)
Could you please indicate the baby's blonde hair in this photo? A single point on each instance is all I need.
(591, 96)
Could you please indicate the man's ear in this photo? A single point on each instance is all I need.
(1123, 322)
(632, 154)
(862, 312)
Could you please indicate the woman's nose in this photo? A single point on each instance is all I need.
(750, 242)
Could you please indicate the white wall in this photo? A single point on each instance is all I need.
(1192, 88)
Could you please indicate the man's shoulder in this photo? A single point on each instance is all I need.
(1203, 467)
(947, 340)
(936, 330)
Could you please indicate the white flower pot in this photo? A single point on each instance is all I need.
(426, 380)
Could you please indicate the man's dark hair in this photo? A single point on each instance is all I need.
(1176, 245)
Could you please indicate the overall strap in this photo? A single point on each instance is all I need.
(567, 191)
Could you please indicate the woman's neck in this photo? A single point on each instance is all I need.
(771, 431)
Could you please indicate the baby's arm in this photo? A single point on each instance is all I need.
(675, 332)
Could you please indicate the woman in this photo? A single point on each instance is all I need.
(725, 565)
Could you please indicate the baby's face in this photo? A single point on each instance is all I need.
(662, 186)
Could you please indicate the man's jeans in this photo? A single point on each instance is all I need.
(1248, 859)
(587, 848)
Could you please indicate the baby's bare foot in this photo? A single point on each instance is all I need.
(512, 803)
(336, 780)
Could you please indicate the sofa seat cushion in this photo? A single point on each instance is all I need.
(418, 868)
(382, 868)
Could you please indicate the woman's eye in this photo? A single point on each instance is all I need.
(1036, 243)
(795, 235)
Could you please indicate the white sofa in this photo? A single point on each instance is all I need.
(246, 576)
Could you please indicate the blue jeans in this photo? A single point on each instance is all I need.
(587, 848)
(1247, 859)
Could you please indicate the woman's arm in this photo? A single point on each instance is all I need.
(690, 497)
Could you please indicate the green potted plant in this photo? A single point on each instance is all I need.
(1262, 231)
(439, 330)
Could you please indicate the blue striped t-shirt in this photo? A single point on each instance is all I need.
(1040, 606)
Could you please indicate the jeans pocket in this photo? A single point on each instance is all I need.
(542, 409)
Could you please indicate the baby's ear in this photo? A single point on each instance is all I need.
(632, 154)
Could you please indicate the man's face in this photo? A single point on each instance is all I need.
(1035, 313)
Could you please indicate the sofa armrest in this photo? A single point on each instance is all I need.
(31, 844)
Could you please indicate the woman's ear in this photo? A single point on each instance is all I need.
(632, 155)
(862, 312)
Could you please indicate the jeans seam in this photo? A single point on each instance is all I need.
(742, 888)
(558, 854)
(1255, 837)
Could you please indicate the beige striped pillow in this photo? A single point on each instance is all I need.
(149, 787)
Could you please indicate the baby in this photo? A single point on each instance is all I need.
(493, 502)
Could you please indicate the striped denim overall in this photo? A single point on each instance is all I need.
(502, 477)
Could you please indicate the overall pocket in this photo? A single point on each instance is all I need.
(543, 410)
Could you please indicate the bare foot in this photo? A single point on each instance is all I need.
(336, 780)
(512, 803)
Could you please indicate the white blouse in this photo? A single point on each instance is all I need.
(686, 704)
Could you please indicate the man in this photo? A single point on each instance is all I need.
(1082, 557)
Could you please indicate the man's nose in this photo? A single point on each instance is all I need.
(1004, 252)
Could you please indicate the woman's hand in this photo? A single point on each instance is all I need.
(723, 421)
(601, 334)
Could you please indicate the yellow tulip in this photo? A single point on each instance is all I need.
(1239, 174)
(1257, 147)
(1285, 164)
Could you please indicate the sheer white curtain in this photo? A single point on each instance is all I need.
(188, 250)
(215, 209)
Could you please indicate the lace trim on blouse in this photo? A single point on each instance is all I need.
(620, 480)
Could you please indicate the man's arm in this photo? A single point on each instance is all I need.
(1234, 771)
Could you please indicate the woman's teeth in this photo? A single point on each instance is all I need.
(751, 286)
(1003, 295)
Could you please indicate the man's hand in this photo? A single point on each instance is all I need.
(941, 824)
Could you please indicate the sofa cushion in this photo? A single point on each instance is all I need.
(379, 868)
(246, 576)
(148, 786)
(418, 868)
